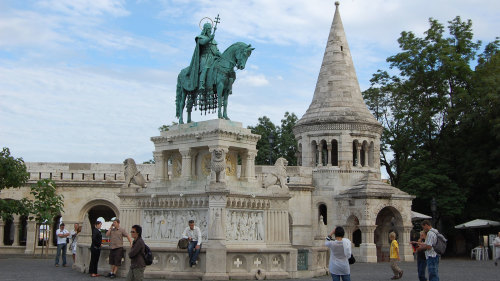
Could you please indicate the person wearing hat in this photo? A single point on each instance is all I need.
(116, 234)
(62, 235)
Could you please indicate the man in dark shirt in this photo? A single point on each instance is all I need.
(136, 255)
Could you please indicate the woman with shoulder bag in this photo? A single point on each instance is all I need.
(340, 252)
(95, 249)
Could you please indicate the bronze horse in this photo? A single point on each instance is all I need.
(220, 79)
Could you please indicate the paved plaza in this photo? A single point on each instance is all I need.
(20, 268)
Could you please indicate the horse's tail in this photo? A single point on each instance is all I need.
(178, 97)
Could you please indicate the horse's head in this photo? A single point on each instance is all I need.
(242, 55)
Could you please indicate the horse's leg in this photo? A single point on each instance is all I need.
(220, 89)
(189, 107)
(181, 106)
(226, 96)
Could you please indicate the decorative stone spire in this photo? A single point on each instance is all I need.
(337, 97)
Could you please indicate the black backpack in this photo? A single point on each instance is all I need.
(148, 255)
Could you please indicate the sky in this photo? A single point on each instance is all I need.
(92, 80)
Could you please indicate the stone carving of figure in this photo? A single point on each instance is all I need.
(322, 230)
(163, 226)
(147, 224)
(170, 225)
(204, 54)
(260, 226)
(132, 175)
(252, 227)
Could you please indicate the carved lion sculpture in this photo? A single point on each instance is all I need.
(132, 175)
(278, 177)
(218, 166)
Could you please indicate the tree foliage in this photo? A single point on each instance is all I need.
(283, 140)
(441, 120)
(12, 170)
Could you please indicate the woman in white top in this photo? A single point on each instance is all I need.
(340, 251)
(496, 243)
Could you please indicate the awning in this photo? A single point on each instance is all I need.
(477, 223)
(418, 216)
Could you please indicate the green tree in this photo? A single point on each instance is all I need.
(13, 174)
(47, 203)
(287, 144)
(267, 152)
(283, 144)
(432, 113)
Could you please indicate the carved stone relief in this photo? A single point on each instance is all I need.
(169, 224)
(244, 226)
(176, 165)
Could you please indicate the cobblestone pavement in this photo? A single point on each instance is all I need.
(38, 269)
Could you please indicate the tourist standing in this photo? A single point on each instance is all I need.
(136, 255)
(116, 234)
(74, 239)
(95, 249)
(496, 244)
(430, 255)
(340, 252)
(62, 235)
(394, 257)
(421, 261)
(193, 234)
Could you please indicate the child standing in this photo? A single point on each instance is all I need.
(394, 257)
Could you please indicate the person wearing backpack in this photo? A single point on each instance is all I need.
(136, 255)
(430, 255)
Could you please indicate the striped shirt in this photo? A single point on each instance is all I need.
(431, 240)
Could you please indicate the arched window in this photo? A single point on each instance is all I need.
(355, 159)
(356, 238)
(335, 153)
(322, 211)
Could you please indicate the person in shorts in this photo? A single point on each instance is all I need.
(116, 234)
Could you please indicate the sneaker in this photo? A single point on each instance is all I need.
(394, 277)
(496, 264)
(112, 276)
(400, 274)
(57, 265)
(109, 275)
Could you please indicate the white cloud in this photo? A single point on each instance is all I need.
(249, 79)
(78, 8)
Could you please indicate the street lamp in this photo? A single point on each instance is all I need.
(433, 210)
(270, 138)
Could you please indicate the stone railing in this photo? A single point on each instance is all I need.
(84, 172)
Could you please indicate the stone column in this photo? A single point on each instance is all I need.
(30, 237)
(159, 166)
(249, 166)
(329, 158)
(405, 249)
(358, 155)
(186, 163)
(16, 225)
(2, 225)
(366, 156)
(320, 155)
(368, 248)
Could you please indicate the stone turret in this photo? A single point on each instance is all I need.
(337, 129)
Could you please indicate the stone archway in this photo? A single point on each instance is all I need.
(388, 219)
(94, 210)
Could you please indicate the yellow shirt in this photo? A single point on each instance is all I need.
(394, 249)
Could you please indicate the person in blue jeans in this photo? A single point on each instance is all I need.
(421, 260)
(62, 234)
(340, 251)
(431, 256)
(193, 234)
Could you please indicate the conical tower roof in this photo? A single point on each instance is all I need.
(337, 97)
